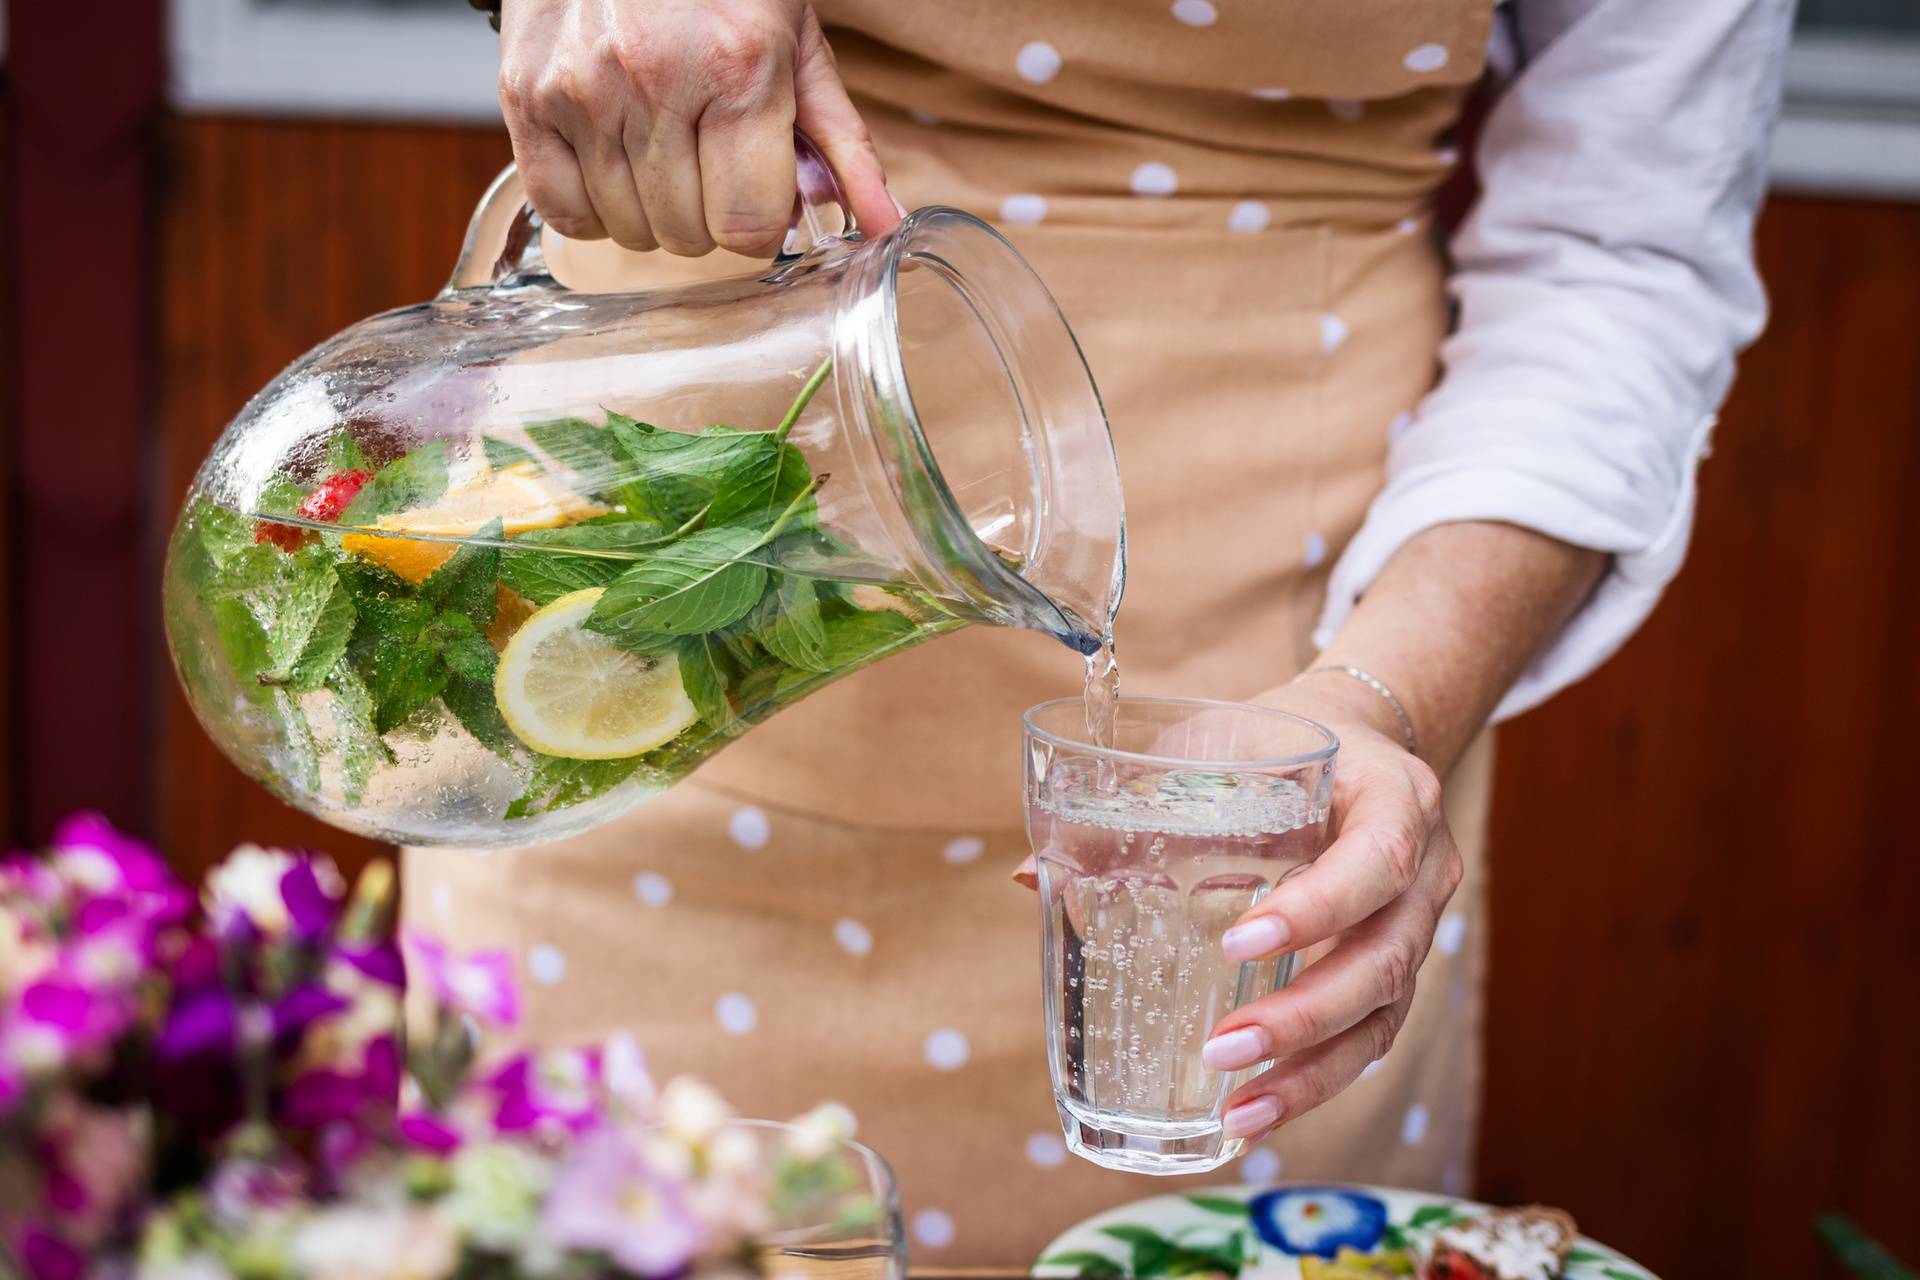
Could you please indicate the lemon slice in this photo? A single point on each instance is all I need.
(568, 692)
(520, 495)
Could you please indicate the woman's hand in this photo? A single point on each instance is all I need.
(669, 123)
(1375, 894)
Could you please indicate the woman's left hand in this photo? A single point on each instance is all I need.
(1375, 894)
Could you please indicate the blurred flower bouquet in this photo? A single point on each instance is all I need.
(222, 1088)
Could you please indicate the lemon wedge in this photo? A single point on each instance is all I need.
(568, 692)
(522, 497)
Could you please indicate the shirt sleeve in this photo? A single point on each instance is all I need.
(1603, 284)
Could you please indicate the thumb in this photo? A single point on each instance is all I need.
(823, 110)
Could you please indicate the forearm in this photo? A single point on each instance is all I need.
(1449, 624)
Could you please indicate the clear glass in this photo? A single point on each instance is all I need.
(833, 1215)
(1149, 848)
(715, 498)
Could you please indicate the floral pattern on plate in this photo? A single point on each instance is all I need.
(1283, 1232)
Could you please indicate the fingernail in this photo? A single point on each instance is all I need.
(1234, 1049)
(1253, 939)
(1255, 1116)
(896, 204)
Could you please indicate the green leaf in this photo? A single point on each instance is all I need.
(407, 482)
(468, 582)
(1585, 1255)
(586, 450)
(407, 675)
(472, 704)
(701, 583)
(305, 586)
(244, 643)
(629, 533)
(356, 743)
(502, 454)
(220, 532)
(1617, 1273)
(672, 475)
(1434, 1215)
(303, 762)
(762, 476)
(1086, 1263)
(1151, 1251)
(558, 783)
(326, 643)
(788, 622)
(250, 569)
(859, 635)
(384, 600)
(1394, 1238)
(279, 496)
(1220, 1204)
(344, 453)
(545, 576)
(462, 647)
(704, 674)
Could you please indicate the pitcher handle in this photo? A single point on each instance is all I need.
(503, 218)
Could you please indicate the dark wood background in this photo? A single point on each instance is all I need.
(1703, 1025)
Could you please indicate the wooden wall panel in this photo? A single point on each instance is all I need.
(1703, 1027)
(276, 235)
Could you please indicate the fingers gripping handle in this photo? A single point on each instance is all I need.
(502, 247)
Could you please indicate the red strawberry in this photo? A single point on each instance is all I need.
(324, 505)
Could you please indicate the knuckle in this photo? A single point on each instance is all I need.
(1427, 791)
(642, 57)
(741, 56)
(744, 232)
(1398, 964)
(1383, 1028)
(1398, 849)
(1295, 1025)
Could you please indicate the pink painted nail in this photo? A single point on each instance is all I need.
(1253, 939)
(1254, 1116)
(1234, 1049)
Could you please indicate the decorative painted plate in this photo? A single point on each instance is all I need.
(1283, 1232)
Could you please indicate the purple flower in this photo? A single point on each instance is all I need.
(87, 851)
(48, 1257)
(606, 1198)
(379, 961)
(547, 1090)
(480, 983)
(303, 1006)
(310, 907)
(201, 1024)
(329, 1095)
(431, 1133)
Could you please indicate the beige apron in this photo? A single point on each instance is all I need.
(1229, 200)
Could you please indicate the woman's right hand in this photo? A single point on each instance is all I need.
(669, 123)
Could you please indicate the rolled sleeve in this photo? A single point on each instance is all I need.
(1604, 283)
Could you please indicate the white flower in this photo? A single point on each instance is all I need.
(623, 1069)
(194, 1266)
(814, 1135)
(247, 884)
(692, 1112)
(496, 1194)
(358, 1243)
(733, 1151)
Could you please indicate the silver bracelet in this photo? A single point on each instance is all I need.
(1369, 680)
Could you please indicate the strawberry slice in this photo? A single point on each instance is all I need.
(324, 505)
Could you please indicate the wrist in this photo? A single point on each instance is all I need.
(1340, 702)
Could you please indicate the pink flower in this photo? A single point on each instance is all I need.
(480, 983)
(606, 1198)
(552, 1090)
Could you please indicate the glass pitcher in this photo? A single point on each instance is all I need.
(495, 568)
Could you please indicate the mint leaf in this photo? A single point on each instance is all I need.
(557, 783)
(789, 624)
(468, 582)
(220, 532)
(704, 674)
(502, 454)
(407, 675)
(860, 635)
(326, 643)
(303, 756)
(701, 583)
(1220, 1204)
(672, 475)
(472, 704)
(279, 496)
(305, 586)
(761, 476)
(250, 569)
(586, 450)
(628, 533)
(411, 481)
(384, 600)
(462, 647)
(345, 454)
(355, 742)
(545, 576)
(244, 643)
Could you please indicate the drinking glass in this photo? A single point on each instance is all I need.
(1150, 846)
(833, 1215)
